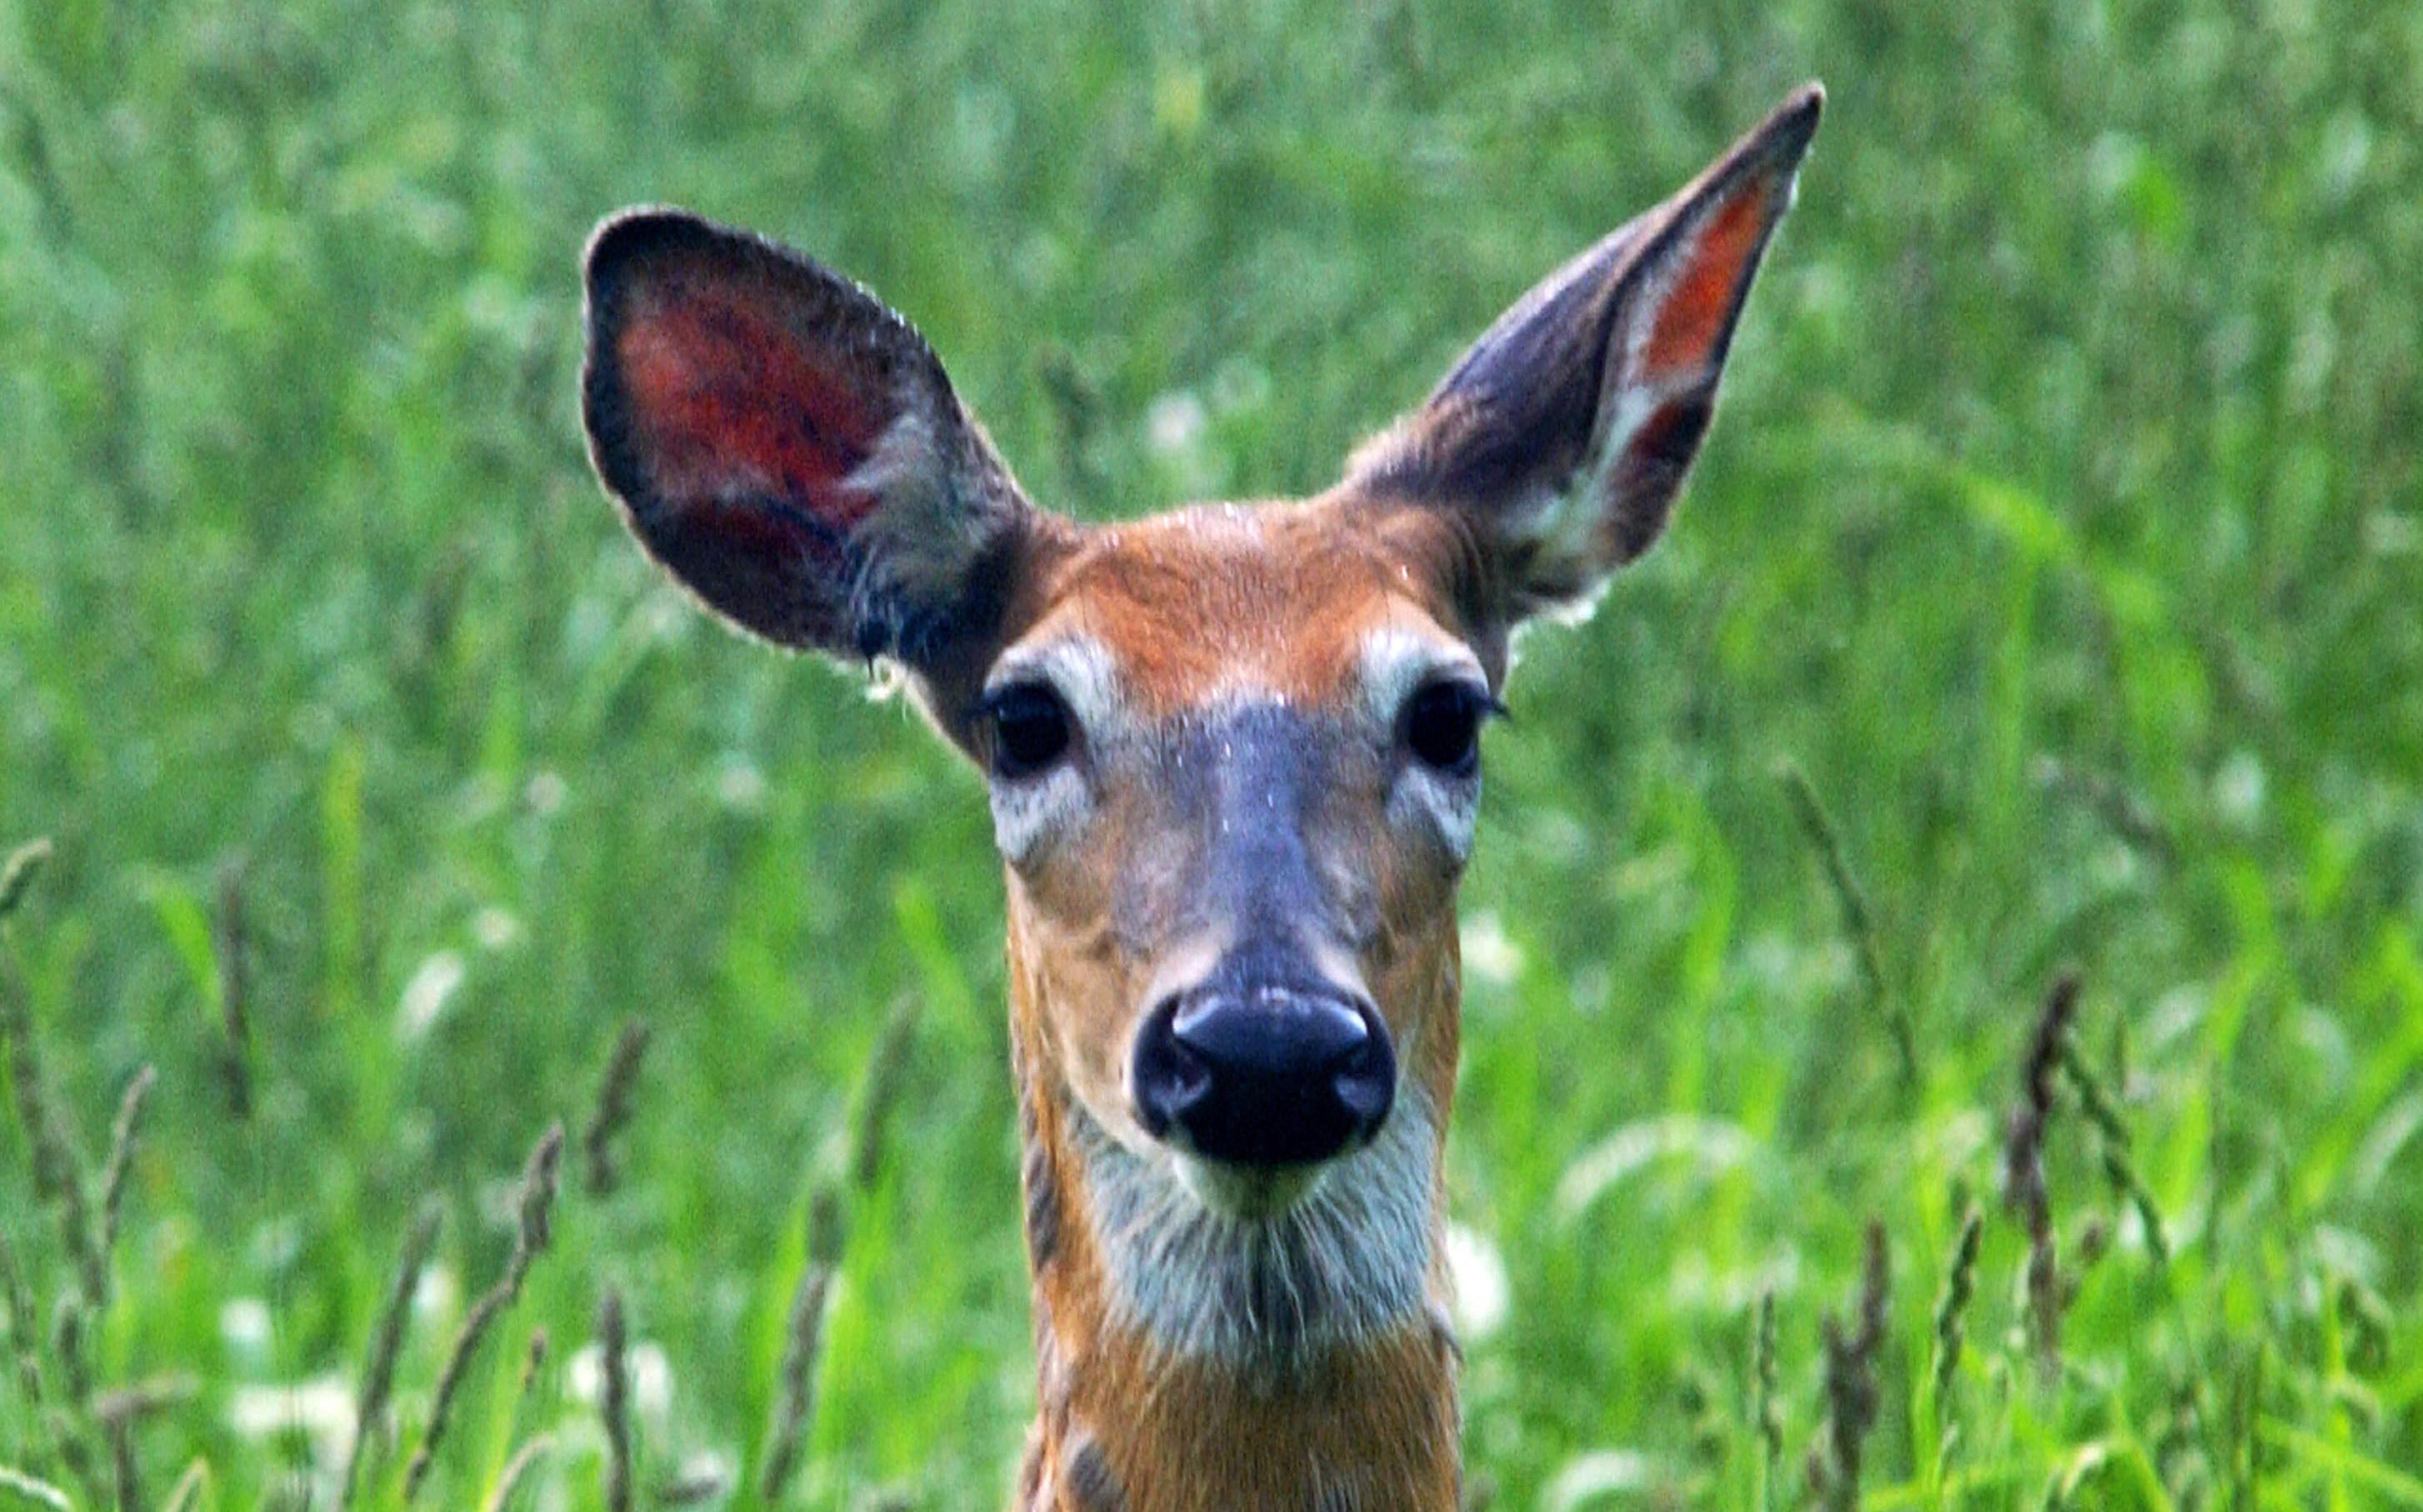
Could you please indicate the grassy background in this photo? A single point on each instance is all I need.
(2064, 525)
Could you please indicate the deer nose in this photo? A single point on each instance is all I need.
(1264, 1075)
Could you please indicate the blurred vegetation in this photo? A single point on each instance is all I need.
(2062, 530)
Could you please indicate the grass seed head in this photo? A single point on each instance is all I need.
(121, 1154)
(2024, 1180)
(59, 1170)
(613, 1112)
(1959, 1285)
(529, 1238)
(614, 1401)
(387, 1344)
(1851, 1391)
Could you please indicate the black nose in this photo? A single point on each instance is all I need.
(1263, 1074)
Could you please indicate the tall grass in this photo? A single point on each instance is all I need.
(2060, 528)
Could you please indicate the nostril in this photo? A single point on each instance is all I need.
(1366, 1081)
(1169, 1079)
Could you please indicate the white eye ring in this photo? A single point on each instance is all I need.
(1040, 791)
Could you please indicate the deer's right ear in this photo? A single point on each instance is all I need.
(787, 446)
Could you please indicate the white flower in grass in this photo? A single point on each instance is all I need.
(2239, 788)
(245, 1324)
(1594, 1476)
(320, 1410)
(438, 1294)
(1490, 954)
(1477, 1274)
(739, 784)
(705, 1476)
(425, 995)
(495, 928)
(1175, 423)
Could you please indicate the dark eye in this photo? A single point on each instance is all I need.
(1442, 726)
(1030, 729)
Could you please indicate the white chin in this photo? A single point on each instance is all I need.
(1247, 1191)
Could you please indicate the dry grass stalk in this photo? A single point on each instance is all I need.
(614, 1402)
(235, 1028)
(387, 1344)
(59, 1171)
(114, 1171)
(530, 1237)
(1859, 921)
(2023, 1179)
(1851, 1394)
(18, 872)
(613, 1109)
(803, 1341)
(517, 1470)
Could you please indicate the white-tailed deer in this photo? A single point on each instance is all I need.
(1233, 758)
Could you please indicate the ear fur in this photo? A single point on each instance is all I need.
(785, 445)
(1563, 434)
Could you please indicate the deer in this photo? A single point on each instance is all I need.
(1232, 753)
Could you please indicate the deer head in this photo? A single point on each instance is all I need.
(1233, 755)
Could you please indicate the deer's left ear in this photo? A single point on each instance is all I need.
(1564, 433)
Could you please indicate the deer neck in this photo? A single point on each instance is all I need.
(1188, 1362)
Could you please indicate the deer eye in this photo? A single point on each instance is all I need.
(1441, 726)
(1028, 728)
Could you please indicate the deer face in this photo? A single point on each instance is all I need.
(1232, 752)
(1232, 830)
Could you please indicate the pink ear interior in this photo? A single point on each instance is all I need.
(728, 401)
(734, 394)
(1687, 333)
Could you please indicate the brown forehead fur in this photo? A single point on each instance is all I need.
(1274, 596)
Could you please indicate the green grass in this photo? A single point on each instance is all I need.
(2063, 526)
